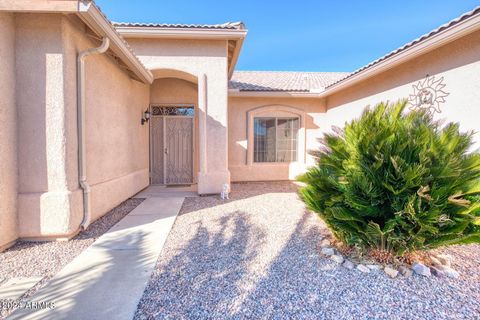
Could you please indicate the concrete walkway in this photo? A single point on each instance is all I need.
(107, 280)
(156, 191)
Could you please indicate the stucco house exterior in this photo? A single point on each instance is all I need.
(92, 112)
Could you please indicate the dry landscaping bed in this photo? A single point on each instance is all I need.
(258, 255)
(45, 259)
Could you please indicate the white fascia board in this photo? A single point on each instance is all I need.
(181, 33)
(272, 94)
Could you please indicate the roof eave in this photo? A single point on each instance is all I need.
(443, 37)
(181, 33)
(92, 16)
(236, 54)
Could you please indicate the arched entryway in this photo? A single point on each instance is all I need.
(210, 115)
(174, 138)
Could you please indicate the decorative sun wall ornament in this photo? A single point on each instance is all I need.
(428, 94)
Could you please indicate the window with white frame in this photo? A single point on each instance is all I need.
(275, 139)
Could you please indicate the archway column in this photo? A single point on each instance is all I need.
(202, 122)
(213, 136)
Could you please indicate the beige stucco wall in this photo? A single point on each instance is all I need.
(313, 111)
(178, 91)
(117, 144)
(459, 64)
(49, 199)
(198, 59)
(8, 132)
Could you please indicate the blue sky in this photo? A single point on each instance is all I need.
(303, 35)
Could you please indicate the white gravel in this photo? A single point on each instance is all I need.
(257, 256)
(45, 259)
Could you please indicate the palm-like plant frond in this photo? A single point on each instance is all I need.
(397, 181)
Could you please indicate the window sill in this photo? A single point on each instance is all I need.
(274, 163)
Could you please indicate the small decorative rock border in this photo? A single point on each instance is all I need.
(441, 265)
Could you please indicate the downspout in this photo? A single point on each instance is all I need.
(82, 163)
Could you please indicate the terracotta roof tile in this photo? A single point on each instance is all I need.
(226, 25)
(283, 80)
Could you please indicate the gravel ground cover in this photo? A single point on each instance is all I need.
(45, 259)
(256, 256)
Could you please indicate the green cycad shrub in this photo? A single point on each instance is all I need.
(397, 181)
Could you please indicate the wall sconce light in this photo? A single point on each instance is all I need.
(146, 116)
